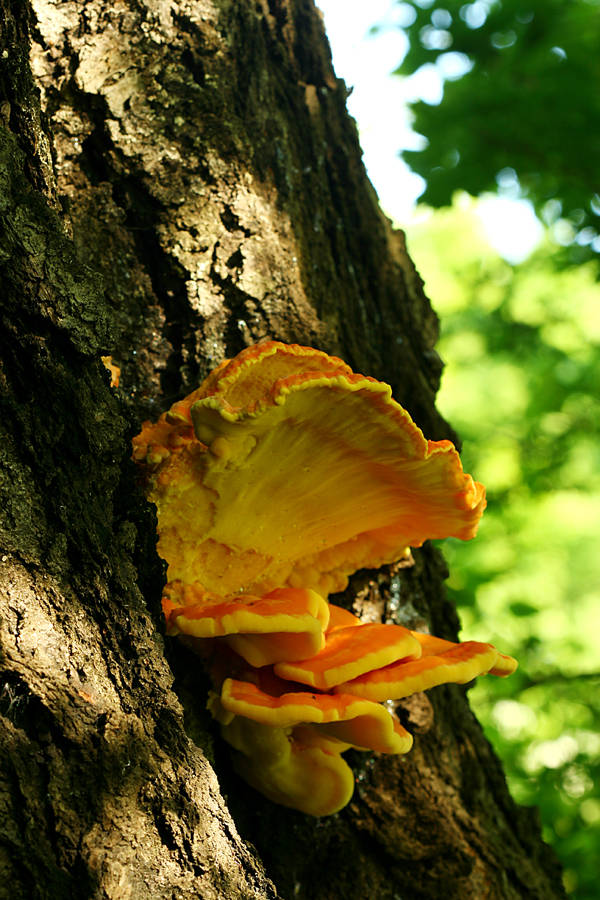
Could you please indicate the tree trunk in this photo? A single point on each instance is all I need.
(179, 180)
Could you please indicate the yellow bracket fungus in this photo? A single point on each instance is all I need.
(291, 767)
(285, 468)
(275, 480)
(350, 652)
(283, 625)
(357, 722)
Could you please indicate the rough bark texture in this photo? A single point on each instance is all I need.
(189, 184)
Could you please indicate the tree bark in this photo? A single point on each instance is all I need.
(179, 180)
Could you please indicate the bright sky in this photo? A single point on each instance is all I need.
(378, 103)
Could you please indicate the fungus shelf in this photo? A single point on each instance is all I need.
(275, 480)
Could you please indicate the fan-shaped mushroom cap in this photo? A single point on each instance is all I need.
(298, 473)
(341, 618)
(442, 662)
(504, 666)
(237, 382)
(304, 772)
(356, 722)
(285, 624)
(350, 652)
(435, 646)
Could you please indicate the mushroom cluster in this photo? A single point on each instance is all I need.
(275, 480)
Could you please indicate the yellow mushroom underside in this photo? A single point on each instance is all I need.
(309, 776)
(260, 498)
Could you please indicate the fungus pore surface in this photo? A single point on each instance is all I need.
(275, 480)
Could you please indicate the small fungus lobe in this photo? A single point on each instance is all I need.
(274, 481)
(113, 368)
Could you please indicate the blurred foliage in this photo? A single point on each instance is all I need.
(520, 113)
(522, 345)
(520, 110)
